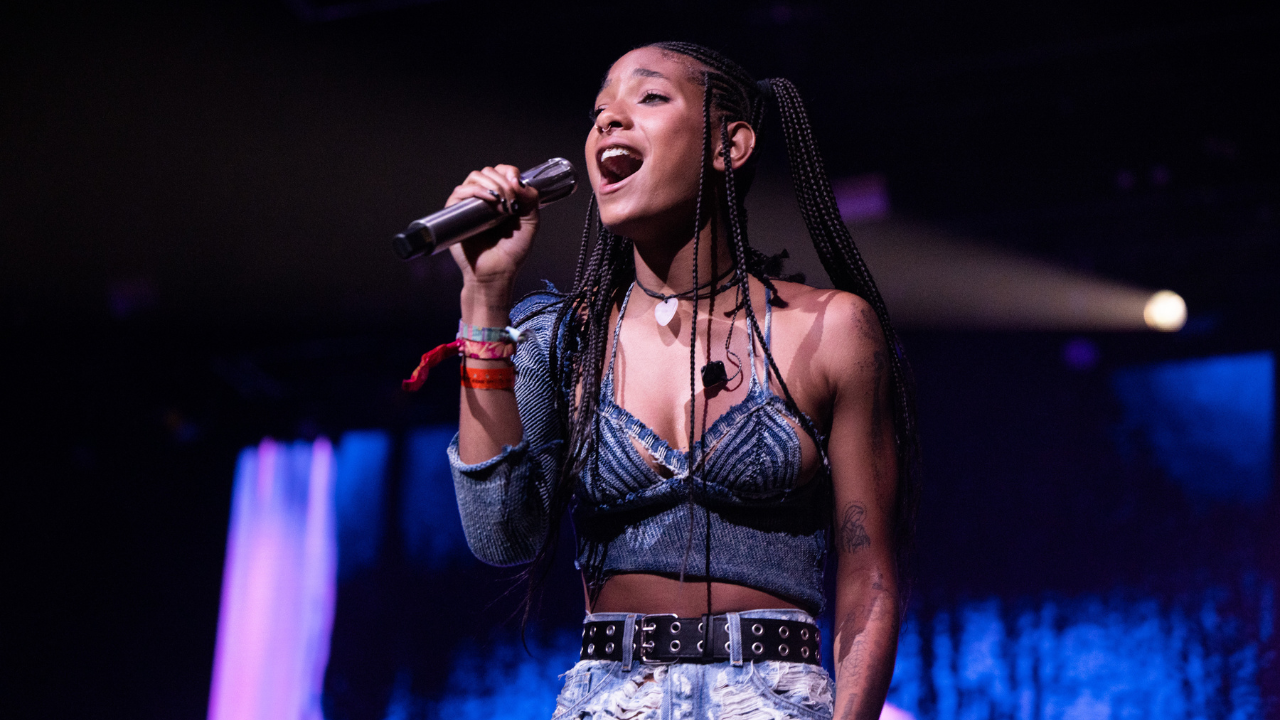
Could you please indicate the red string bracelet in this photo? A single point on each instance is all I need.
(433, 357)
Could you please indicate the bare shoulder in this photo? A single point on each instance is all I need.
(843, 332)
(847, 323)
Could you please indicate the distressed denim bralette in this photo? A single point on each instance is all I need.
(766, 531)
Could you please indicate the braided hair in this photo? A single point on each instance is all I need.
(606, 268)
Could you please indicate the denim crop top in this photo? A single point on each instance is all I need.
(765, 531)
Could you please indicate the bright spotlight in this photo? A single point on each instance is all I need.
(931, 278)
(1165, 311)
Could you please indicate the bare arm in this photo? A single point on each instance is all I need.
(489, 418)
(864, 473)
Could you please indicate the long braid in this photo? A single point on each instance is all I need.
(697, 247)
(581, 266)
(693, 343)
(738, 243)
(575, 360)
(848, 271)
(711, 310)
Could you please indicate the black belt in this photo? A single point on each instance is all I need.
(668, 639)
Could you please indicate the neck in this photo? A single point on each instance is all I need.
(667, 267)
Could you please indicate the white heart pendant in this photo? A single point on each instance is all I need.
(665, 310)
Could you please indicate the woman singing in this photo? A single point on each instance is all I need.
(712, 430)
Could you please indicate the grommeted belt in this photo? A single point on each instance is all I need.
(668, 639)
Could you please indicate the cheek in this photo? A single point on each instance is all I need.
(682, 162)
(686, 138)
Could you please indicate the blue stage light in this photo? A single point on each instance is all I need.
(1085, 657)
(429, 510)
(358, 488)
(506, 682)
(1209, 424)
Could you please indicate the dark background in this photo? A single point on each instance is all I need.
(196, 201)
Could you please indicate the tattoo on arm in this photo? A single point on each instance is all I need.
(852, 535)
(870, 329)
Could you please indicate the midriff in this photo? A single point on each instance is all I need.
(650, 594)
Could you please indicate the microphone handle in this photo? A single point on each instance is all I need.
(554, 180)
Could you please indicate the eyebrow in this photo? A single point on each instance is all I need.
(638, 72)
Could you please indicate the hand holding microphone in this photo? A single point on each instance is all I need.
(485, 200)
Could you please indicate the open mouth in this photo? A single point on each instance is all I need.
(618, 162)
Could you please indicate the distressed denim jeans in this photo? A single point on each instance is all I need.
(729, 690)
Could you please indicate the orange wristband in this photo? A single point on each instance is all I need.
(501, 378)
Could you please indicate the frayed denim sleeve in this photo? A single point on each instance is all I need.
(504, 501)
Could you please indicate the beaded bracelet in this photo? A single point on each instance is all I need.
(489, 334)
(501, 378)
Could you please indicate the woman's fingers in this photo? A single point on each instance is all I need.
(506, 188)
(500, 186)
(525, 196)
(496, 254)
(481, 185)
(464, 192)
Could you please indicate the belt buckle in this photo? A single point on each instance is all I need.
(646, 635)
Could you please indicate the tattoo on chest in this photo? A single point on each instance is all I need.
(852, 535)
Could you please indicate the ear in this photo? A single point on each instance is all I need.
(742, 142)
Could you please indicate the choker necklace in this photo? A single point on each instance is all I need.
(666, 307)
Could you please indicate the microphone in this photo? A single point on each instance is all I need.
(554, 180)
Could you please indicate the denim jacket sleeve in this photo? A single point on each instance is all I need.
(504, 500)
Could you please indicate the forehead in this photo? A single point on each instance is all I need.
(653, 62)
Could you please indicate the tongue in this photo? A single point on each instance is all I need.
(620, 167)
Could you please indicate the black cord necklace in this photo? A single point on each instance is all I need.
(666, 307)
(713, 373)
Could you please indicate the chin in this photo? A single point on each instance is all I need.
(621, 220)
(639, 221)
(621, 225)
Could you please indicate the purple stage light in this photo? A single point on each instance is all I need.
(278, 585)
(862, 198)
(1080, 354)
(893, 712)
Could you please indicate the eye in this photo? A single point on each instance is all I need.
(595, 113)
(652, 97)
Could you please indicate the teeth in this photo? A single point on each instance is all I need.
(614, 152)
